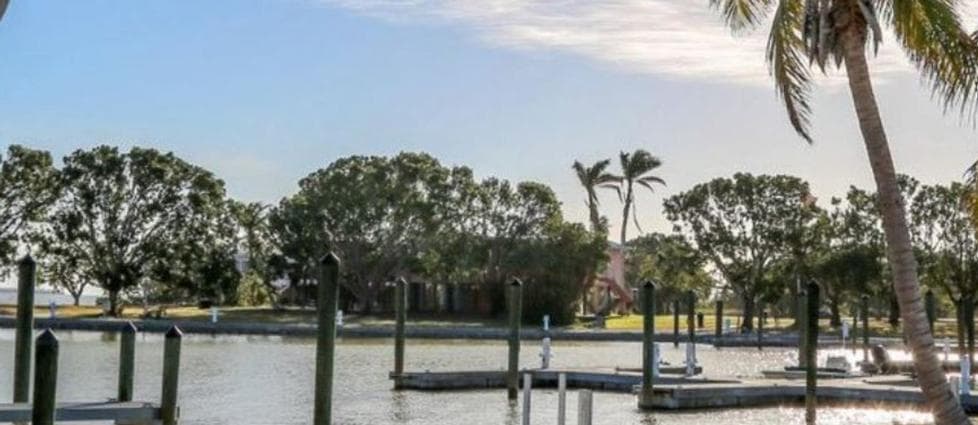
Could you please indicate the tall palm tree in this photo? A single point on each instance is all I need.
(593, 178)
(635, 167)
(805, 33)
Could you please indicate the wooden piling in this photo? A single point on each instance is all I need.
(527, 394)
(171, 376)
(811, 348)
(691, 316)
(400, 314)
(930, 306)
(515, 316)
(648, 343)
(585, 408)
(718, 331)
(127, 361)
(46, 379)
(865, 313)
(561, 399)
(24, 334)
(802, 327)
(675, 323)
(326, 301)
(760, 325)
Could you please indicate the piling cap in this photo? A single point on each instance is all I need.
(812, 288)
(47, 338)
(174, 332)
(330, 259)
(516, 282)
(129, 328)
(27, 261)
(649, 284)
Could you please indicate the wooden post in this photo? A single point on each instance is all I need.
(675, 323)
(969, 326)
(865, 311)
(811, 348)
(930, 306)
(400, 314)
(802, 326)
(127, 361)
(718, 332)
(584, 407)
(46, 379)
(24, 335)
(327, 297)
(760, 325)
(691, 316)
(171, 376)
(527, 393)
(561, 399)
(648, 343)
(515, 316)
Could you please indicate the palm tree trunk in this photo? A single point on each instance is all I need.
(624, 217)
(930, 375)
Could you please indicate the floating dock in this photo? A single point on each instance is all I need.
(674, 392)
(130, 413)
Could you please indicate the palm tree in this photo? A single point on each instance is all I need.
(804, 33)
(634, 169)
(593, 178)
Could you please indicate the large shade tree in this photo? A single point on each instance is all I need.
(946, 243)
(28, 186)
(123, 212)
(810, 33)
(742, 225)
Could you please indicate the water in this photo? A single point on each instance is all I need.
(269, 380)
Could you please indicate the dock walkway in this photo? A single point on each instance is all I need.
(674, 392)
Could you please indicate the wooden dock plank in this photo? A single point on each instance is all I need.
(127, 412)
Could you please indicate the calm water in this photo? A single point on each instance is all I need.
(269, 380)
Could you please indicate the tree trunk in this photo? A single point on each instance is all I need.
(114, 303)
(624, 218)
(930, 376)
(76, 299)
(894, 318)
(836, 319)
(748, 324)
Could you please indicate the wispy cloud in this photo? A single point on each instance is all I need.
(671, 38)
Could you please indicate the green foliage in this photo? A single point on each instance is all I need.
(28, 186)
(671, 262)
(252, 291)
(743, 225)
(553, 268)
(138, 217)
(635, 169)
(807, 33)
(409, 215)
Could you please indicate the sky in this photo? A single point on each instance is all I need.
(264, 92)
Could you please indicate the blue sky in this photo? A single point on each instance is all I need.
(264, 92)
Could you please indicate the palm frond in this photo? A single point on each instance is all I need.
(616, 188)
(786, 49)
(934, 38)
(742, 15)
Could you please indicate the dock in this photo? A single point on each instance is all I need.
(129, 413)
(675, 392)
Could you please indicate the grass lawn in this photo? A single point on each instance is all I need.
(944, 327)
